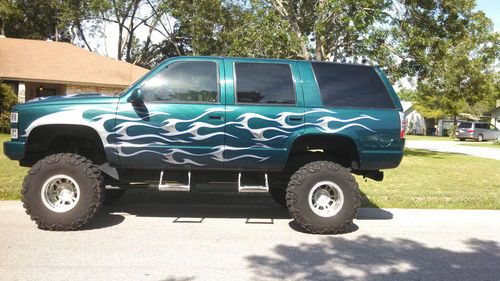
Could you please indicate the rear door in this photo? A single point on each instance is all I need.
(462, 129)
(265, 111)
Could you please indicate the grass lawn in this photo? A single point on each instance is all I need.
(424, 180)
(427, 179)
(433, 138)
(11, 175)
(483, 144)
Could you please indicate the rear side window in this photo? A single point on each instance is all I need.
(481, 126)
(347, 85)
(465, 125)
(263, 83)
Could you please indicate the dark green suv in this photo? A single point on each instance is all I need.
(295, 129)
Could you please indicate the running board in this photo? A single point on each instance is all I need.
(174, 186)
(253, 188)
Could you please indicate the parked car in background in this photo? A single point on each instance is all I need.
(479, 131)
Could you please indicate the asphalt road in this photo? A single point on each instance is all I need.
(455, 147)
(130, 241)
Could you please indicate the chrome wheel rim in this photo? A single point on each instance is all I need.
(60, 193)
(326, 199)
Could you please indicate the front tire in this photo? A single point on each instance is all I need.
(323, 197)
(63, 192)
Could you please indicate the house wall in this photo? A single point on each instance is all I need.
(495, 118)
(78, 89)
(30, 90)
(415, 123)
(37, 89)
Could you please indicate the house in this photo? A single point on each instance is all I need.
(415, 122)
(36, 68)
(495, 115)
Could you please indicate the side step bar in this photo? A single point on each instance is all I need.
(253, 188)
(174, 186)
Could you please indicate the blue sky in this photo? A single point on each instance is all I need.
(492, 10)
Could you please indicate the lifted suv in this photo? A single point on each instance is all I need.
(295, 129)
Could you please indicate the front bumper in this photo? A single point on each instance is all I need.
(14, 150)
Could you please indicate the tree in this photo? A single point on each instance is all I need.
(251, 35)
(339, 30)
(450, 49)
(33, 19)
(7, 101)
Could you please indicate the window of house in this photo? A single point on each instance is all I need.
(186, 81)
(264, 83)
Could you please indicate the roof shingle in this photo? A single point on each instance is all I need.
(61, 62)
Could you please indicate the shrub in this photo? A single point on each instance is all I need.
(7, 101)
(451, 131)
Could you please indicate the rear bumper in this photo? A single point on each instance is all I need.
(14, 150)
(379, 160)
(465, 135)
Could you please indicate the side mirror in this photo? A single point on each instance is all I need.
(135, 97)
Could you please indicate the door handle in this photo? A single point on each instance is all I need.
(295, 119)
(215, 116)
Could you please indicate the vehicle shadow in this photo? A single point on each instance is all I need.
(373, 258)
(424, 153)
(198, 206)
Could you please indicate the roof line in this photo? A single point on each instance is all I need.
(66, 82)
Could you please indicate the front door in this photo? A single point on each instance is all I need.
(265, 111)
(180, 122)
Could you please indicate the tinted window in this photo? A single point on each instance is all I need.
(190, 81)
(264, 83)
(481, 126)
(351, 85)
(465, 125)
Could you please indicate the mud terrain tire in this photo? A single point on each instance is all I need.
(63, 192)
(331, 185)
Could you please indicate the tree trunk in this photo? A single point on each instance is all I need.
(2, 27)
(119, 51)
(131, 31)
(79, 27)
(319, 53)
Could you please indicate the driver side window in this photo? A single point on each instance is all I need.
(186, 81)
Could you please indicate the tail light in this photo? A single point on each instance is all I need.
(470, 131)
(402, 119)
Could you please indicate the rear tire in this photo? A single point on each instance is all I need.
(63, 192)
(480, 138)
(461, 139)
(323, 197)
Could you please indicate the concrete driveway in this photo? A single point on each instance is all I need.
(455, 147)
(251, 242)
